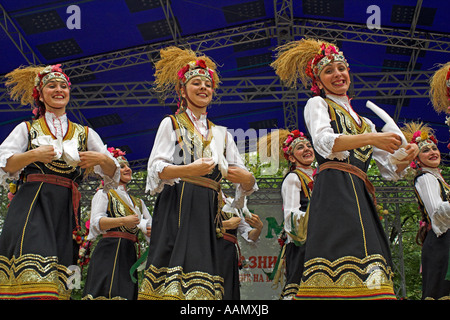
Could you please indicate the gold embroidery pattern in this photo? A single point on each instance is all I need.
(33, 276)
(118, 208)
(173, 284)
(289, 291)
(196, 145)
(90, 297)
(350, 127)
(347, 277)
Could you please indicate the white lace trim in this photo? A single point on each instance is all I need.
(154, 183)
(240, 194)
(108, 182)
(5, 176)
(325, 147)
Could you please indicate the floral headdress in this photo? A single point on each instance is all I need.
(119, 155)
(420, 134)
(293, 138)
(287, 140)
(177, 66)
(25, 84)
(304, 60)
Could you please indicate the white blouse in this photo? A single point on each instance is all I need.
(317, 120)
(438, 210)
(17, 142)
(290, 193)
(100, 206)
(163, 150)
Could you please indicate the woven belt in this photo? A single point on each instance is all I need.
(60, 181)
(203, 182)
(353, 170)
(120, 234)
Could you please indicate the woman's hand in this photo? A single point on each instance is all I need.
(130, 221)
(91, 159)
(255, 222)
(44, 154)
(241, 176)
(412, 150)
(231, 223)
(200, 167)
(387, 141)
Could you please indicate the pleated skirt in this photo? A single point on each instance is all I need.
(36, 244)
(184, 254)
(347, 254)
(294, 260)
(435, 260)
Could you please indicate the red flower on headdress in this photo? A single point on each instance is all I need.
(330, 50)
(182, 72)
(415, 135)
(201, 64)
(116, 152)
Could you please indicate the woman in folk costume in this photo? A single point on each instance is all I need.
(295, 191)
(47, 158)
(347, 253)
(188, 160)
(117, 217)
(432, 193)
(236, 222)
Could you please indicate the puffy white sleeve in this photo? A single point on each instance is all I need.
(146, 219)
(16, 142)
(290, 193)
(95, 143)
(234, 159)
(317, 120)
(99, 206)
(438, 210)
(161, 156)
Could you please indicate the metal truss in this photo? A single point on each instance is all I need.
(17, 38)
(260, 90)
(261, 30)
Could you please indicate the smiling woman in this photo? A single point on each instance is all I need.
(347, 254)
(45, 159)
(190, 156)
(432, 193)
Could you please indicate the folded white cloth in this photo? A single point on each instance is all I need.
(67, 150)
(217, 148)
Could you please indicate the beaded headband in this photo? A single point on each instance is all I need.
(193, 69)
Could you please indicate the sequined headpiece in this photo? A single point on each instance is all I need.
(193, 69)
(293, 138)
